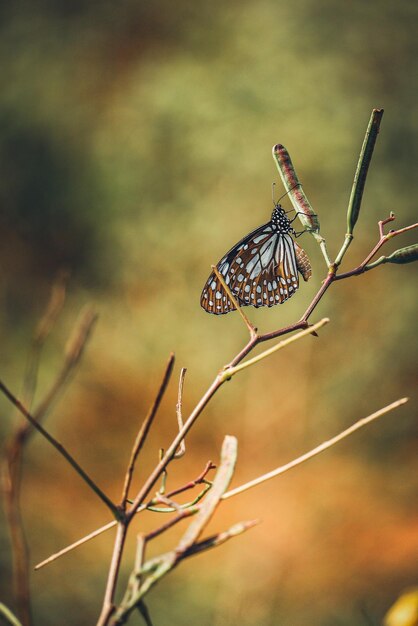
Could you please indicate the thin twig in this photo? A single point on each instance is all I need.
(200, 546)
(14, 450)
(124, 522)
(363, 267)
(156, 473)
(76, 544)
(281, 470)
(230, 371)
(61, 449)
(190, 485)
(135, 577)
(172, 522)
(169, 503)
(179, 410)
(43, 329)
(73, 353)
(303, 323)
(138, 503)
(206, 510)
(108, 606)
(321, 448)
(8, 616)
(12, 465)
(251, 328)
(254, 341)
(144, 429)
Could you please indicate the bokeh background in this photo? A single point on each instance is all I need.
(135, 149)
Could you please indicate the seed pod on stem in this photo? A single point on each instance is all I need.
(409, 254)
(291, 183)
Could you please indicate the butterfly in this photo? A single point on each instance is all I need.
(260, 270)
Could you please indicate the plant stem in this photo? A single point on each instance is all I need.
(144, 430)
(321, 448)
(108, 606)
(61, 449)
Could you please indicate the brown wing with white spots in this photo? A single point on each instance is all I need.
(214, 298)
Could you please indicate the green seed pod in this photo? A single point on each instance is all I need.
(362, 169)
(404, 255)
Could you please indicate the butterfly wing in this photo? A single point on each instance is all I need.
(260, 270)
(270, 276)
(214, 298)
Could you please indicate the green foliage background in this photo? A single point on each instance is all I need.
(135, 148)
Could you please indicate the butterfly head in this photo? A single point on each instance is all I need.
(280, 221)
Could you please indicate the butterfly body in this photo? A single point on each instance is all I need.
(260, 270)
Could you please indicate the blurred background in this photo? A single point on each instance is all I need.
(135, 149)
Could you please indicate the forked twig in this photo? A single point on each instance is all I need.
(260, 479)
(231, 371)
(210, 542)
(201, 479)
(190, 537)
(384, 238)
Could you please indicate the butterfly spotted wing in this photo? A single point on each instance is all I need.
(260, 270)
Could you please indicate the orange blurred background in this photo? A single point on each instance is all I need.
(135, 150)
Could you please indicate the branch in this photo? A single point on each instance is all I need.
(123, 522)
(12, 466)
(190, 485)
(144, 430)
(210, 542)
(61, 449)
(8, 616)
(251, 328)
(404, 255)
(321, 448)
(205, 512)
(179, 409)
(302, 324)
(230, 371)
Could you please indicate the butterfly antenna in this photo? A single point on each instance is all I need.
(272, 192)
(288, 191)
